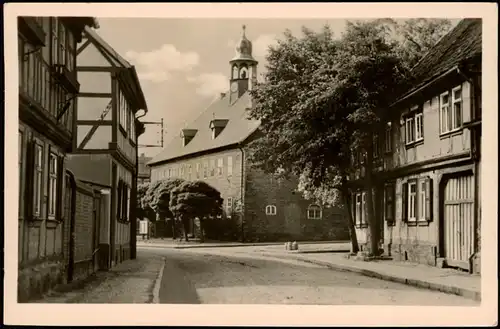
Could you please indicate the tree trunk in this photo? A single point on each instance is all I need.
(202, 231)
(371, 218)
(350, 221)
(174, 235)
(185, 224)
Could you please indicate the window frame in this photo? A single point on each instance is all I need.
(388, 138)
(422, 197)
(358, 219)
(375, 152)
(419, 133)
(220, 167)
(318, 212)
(389, 203)
(453, 111)
(412, 201)
(444, 118)
(38, 173)
(198, 167)
(229, 166)
(212, 167)
(271, 210)
(53, 181)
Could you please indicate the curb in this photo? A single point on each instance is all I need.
(453, 290)
(228, 245)
(156, 289)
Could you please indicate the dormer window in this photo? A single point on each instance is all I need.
(217, 125)
(187, 135)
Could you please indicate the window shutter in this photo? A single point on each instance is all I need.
(59, 188)
(393, 203)
(428, 199)
(404, 202)
(119, 201)
(29, 178)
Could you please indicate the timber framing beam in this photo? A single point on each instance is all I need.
(82, 47)
(98, 95)
(96, 69)
(94, 122)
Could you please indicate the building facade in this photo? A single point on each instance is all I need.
(428, 159)
(105, 142)
(47, 88)
(144, 175)
(214, 148)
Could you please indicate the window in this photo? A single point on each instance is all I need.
(182, 171)
(363, 207)
(388, 138)
(451, 118)
(169, 172)
(389, 203)
(212, 167)
(457, 108)
(314, 212)
(52, 185)
(414, 126)
(357, 209)
(412, 201)
(71, 53)
(37, 201)
(229, 166)
(205, 169)
(410, 132)
(271, 210)
(55, 40)
(190, 170)
(62, 44)
(21, 169)
(375, 146)
(419, 127)
(417, 200)
(128, 204)
(198, 169)
(229, 207)
(220, 166)
(422, 201)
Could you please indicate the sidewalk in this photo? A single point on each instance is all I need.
(133, 281)
(333, 256)
(195, 243)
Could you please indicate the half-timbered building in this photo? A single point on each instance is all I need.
(105, 141)
(428, 162)
(48, 86)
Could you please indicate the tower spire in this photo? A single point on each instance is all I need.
(244, 28)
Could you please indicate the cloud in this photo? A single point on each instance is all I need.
(157, 65)
(210, 84)
(262, 43)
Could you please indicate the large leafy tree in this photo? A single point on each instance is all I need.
(323, 99)
(192, 200)
(160, 201)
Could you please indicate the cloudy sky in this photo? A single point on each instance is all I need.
(185, 65)
(183, 62)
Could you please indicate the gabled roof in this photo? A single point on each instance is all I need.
(237, 130)
(119, 61)
(460, 44)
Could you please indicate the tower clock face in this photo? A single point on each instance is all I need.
(234, 87)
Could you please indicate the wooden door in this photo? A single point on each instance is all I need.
(96, 230)
(292, 219)
(69, 222)
(458, 223)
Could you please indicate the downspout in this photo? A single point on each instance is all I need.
(133, 220)
(242, 191)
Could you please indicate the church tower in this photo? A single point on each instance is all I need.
(243, 69)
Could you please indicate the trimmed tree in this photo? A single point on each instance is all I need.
(161, 200)
(193, 200)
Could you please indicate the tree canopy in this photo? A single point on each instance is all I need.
(195, 199)
(324, 98)
(160, 202)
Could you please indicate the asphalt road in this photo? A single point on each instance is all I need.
(197, 278)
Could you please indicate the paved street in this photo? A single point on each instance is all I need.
(194, 277)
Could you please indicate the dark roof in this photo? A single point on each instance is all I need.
(237, 130)
(460, 44)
